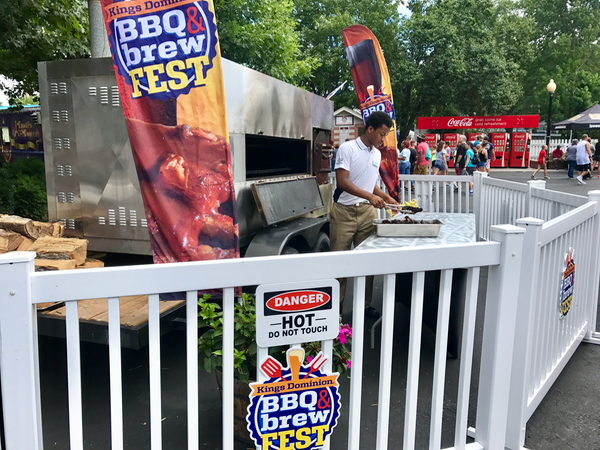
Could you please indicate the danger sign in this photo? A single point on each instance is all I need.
(293, 313)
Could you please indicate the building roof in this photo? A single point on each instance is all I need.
(344, 110)
(25, 108)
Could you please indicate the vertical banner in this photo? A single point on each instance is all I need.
(168, 67)
(374, 90)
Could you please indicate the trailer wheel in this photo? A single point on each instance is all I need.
(289, 250)
(323, 243)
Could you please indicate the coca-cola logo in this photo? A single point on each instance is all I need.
(464, 122)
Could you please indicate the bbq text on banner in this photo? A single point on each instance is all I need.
(374, 90)
(168, 66)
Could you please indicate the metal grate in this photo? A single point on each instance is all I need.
(122, 216)
(70, 197)
(63, 221)
(71, 224)
(114, 90)
(66, 143)
(58, 144)
(132, 218)
(68, 171)
(144, 223)
(92, 91)
(54, 88)
(64, 115)
(56, 116)
(62, 198)
(62, 87)
(101, 221)
(60, 171)
(104, 95)
(112, 220)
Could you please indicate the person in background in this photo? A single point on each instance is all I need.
(487, 147)
(333, 154)
(439, 165)
(357, 196)
(459, 158)
(404, 158)
(583, 158)
(571, 157)
(596, 158)
(448, 154)
(541, 162)
(483, 158)
(422, 162)
(469, 166)
(557, 155)
(413, 156)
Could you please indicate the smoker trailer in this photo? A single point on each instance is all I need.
(277, 134)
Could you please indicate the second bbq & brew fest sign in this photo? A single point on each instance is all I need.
(297, 406)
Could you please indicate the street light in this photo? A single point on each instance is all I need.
(550, 88)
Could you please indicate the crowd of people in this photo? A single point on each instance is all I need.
(581, 155)
(416, 157)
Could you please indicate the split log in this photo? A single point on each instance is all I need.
(9, 241)
(60, 264)
(75, 249)
(91, 264)
(25, 245)
(44, 228)
(19, 225)
(59, 230)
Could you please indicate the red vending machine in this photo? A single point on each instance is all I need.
(452, 140)
(432, 140)
(473, 136)
(519, 150)
(499, 156)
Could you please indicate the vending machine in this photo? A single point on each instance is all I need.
(499, 156)
(452, 140)
(519, 150)
(473, 136)
(432, 140)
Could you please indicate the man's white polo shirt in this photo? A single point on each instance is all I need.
(362, 163)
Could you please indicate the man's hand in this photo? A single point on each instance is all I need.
(377, 201)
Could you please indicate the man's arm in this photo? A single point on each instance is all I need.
(346, 185)
(386, 198)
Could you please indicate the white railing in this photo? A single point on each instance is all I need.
(547, 205)
(537, 144)
(22, 288)
(439, 193)
(545, 341)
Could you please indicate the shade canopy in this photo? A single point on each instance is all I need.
(587, 120)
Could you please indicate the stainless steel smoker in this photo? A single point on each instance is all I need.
(277, 134)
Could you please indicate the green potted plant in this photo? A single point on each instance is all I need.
(210, 345)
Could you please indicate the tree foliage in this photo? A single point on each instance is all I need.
(39, 30)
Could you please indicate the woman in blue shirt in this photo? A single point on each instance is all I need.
(469, 166)
(404, 159)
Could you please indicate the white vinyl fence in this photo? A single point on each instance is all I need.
(546, 342)
(22, 288)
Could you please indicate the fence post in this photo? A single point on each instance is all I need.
(539, 184)
(19, 365)
(517, 403)
(478, 178)
(498, 338)
(594, 196)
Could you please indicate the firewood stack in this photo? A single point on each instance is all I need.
(53, 251)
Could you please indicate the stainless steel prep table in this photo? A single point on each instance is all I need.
(455, 229)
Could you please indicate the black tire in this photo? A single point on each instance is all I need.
(289, 250)
(323, 243)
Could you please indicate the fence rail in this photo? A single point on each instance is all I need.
(23, 289)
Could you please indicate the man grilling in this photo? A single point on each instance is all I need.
(357, 195)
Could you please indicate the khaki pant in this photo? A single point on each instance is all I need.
(352, 225)
(422, 170)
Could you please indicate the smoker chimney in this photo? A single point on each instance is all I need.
(98, 37)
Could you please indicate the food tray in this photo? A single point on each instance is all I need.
(421, 228)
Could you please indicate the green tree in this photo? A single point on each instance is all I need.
(261, 34)
(564, 39)
(39, 30)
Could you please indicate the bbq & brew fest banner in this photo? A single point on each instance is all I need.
(374, 91)
(168, 67)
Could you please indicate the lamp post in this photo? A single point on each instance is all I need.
(550, 88)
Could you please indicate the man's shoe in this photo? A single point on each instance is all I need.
(532, 177)
(372, 313)
(580, 180)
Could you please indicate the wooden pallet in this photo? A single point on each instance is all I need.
(134, 310)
